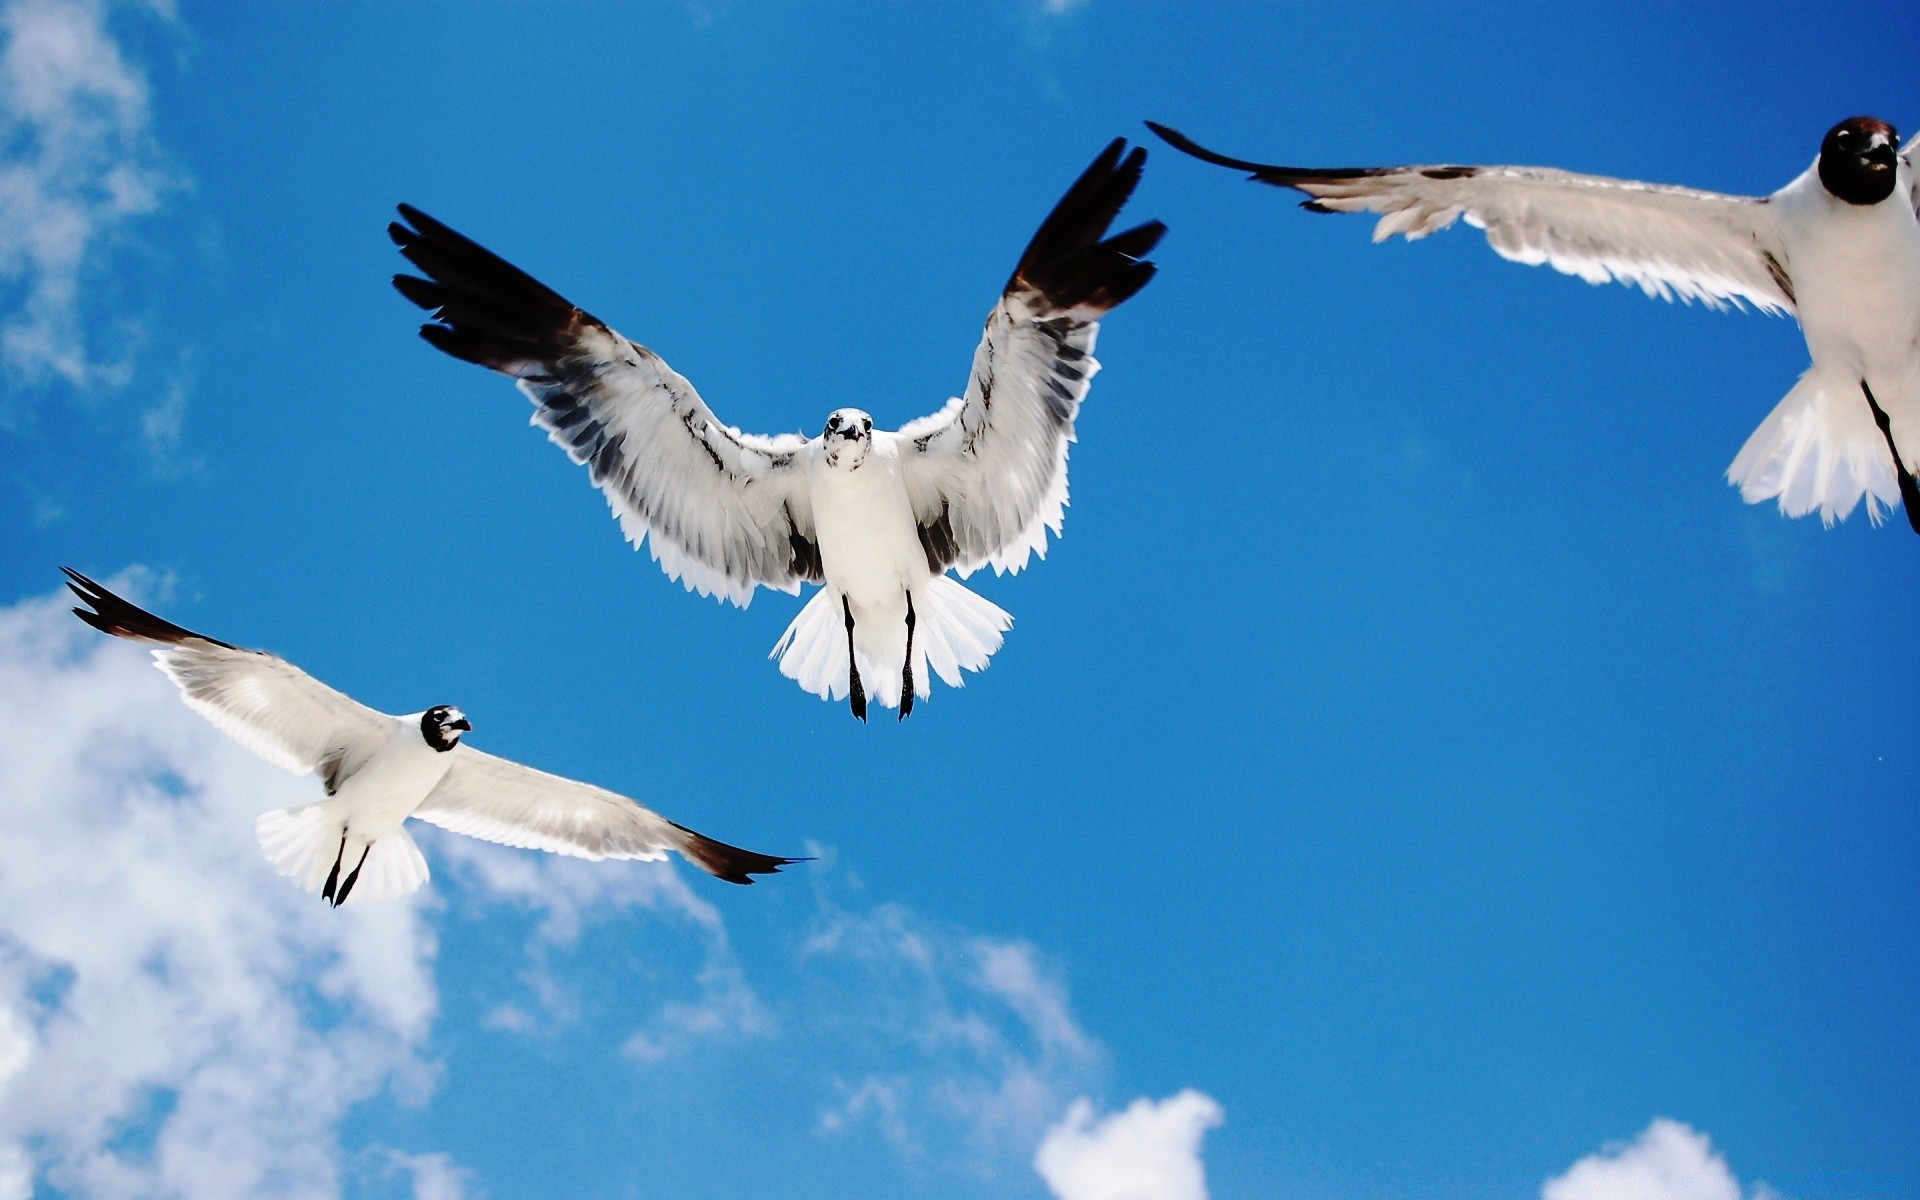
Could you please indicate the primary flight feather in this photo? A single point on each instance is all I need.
(876, 518)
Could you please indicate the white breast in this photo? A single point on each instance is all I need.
(1856, 276)
(380, 795)
(869, 542)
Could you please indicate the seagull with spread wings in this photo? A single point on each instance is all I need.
(378, 770)
(1839, 247)
(876, 518)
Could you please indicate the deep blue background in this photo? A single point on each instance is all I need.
(1413, 742)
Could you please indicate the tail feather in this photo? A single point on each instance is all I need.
(962, 630)
(1819, 450)
(956, 630)
(304, 843)
(394, 868)
(813, 650)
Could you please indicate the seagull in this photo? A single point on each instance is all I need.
(876, 518)
(378, 770)
(1839, 247)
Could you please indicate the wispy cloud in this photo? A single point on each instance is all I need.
(174, 1019)
(78, 166)
(1150, 1151)
(969, 1042)
(566, 895)
(1668, 1161)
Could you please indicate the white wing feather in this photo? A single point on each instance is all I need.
(260, 700)
(995, 460)
(987, 474)
(1672, 242)
(273, 708)
(500, 801)
(722, 511)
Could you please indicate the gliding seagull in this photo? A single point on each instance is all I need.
(1839, 247)
(379, 770)
(875, 517)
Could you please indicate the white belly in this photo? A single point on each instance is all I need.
(1856, 280)
(381, 795)
(869, 542)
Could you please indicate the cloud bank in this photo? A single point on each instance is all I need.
(174, 1019)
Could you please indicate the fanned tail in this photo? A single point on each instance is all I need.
(959, 630)
(1819, 450)
(955, 630)
(813, 650)
(307, 845)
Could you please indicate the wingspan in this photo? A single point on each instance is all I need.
(1670, 241)
(500, 801)
(264, 702)
(988, 472)
(726, 511)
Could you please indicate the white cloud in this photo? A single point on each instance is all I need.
(1148, 1152)
(434, 1176)
(1669, 1161)
(568, 894)
(174, 1019)
(78, 165)
(968, 1043)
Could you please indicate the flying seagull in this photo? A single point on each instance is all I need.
(1839, 247)
(876, 518)
(379, 770)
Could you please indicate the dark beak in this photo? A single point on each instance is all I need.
(463, 725)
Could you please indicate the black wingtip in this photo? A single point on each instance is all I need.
(122, 618)
(487, 310)
(1070, 260)
(730, 863)
(1276, 175)
(1186, 145)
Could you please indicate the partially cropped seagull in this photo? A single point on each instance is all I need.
(1839, 247)
(877, 518)
(379, 770)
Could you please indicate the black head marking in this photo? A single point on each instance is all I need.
(1859, 160)
(442, 725)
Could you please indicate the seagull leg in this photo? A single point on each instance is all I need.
(856, 695)
(1909, 489)
(346, 885)
(906, 670)
(333, 876)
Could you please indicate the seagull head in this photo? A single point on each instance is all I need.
(848, 436)
(442, 726)
(1859, 160)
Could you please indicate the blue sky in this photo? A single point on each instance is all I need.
(1413, 746)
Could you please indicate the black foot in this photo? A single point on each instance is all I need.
(906, 670)
(1909, 489)
(333, 876)
(856, 695)
(346, 885)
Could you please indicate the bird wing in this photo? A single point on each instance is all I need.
(500, 801)
(260, 700)
(727, 511)
(1671, 241)
(987, 474)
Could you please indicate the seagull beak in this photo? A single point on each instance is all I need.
(463, 725)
